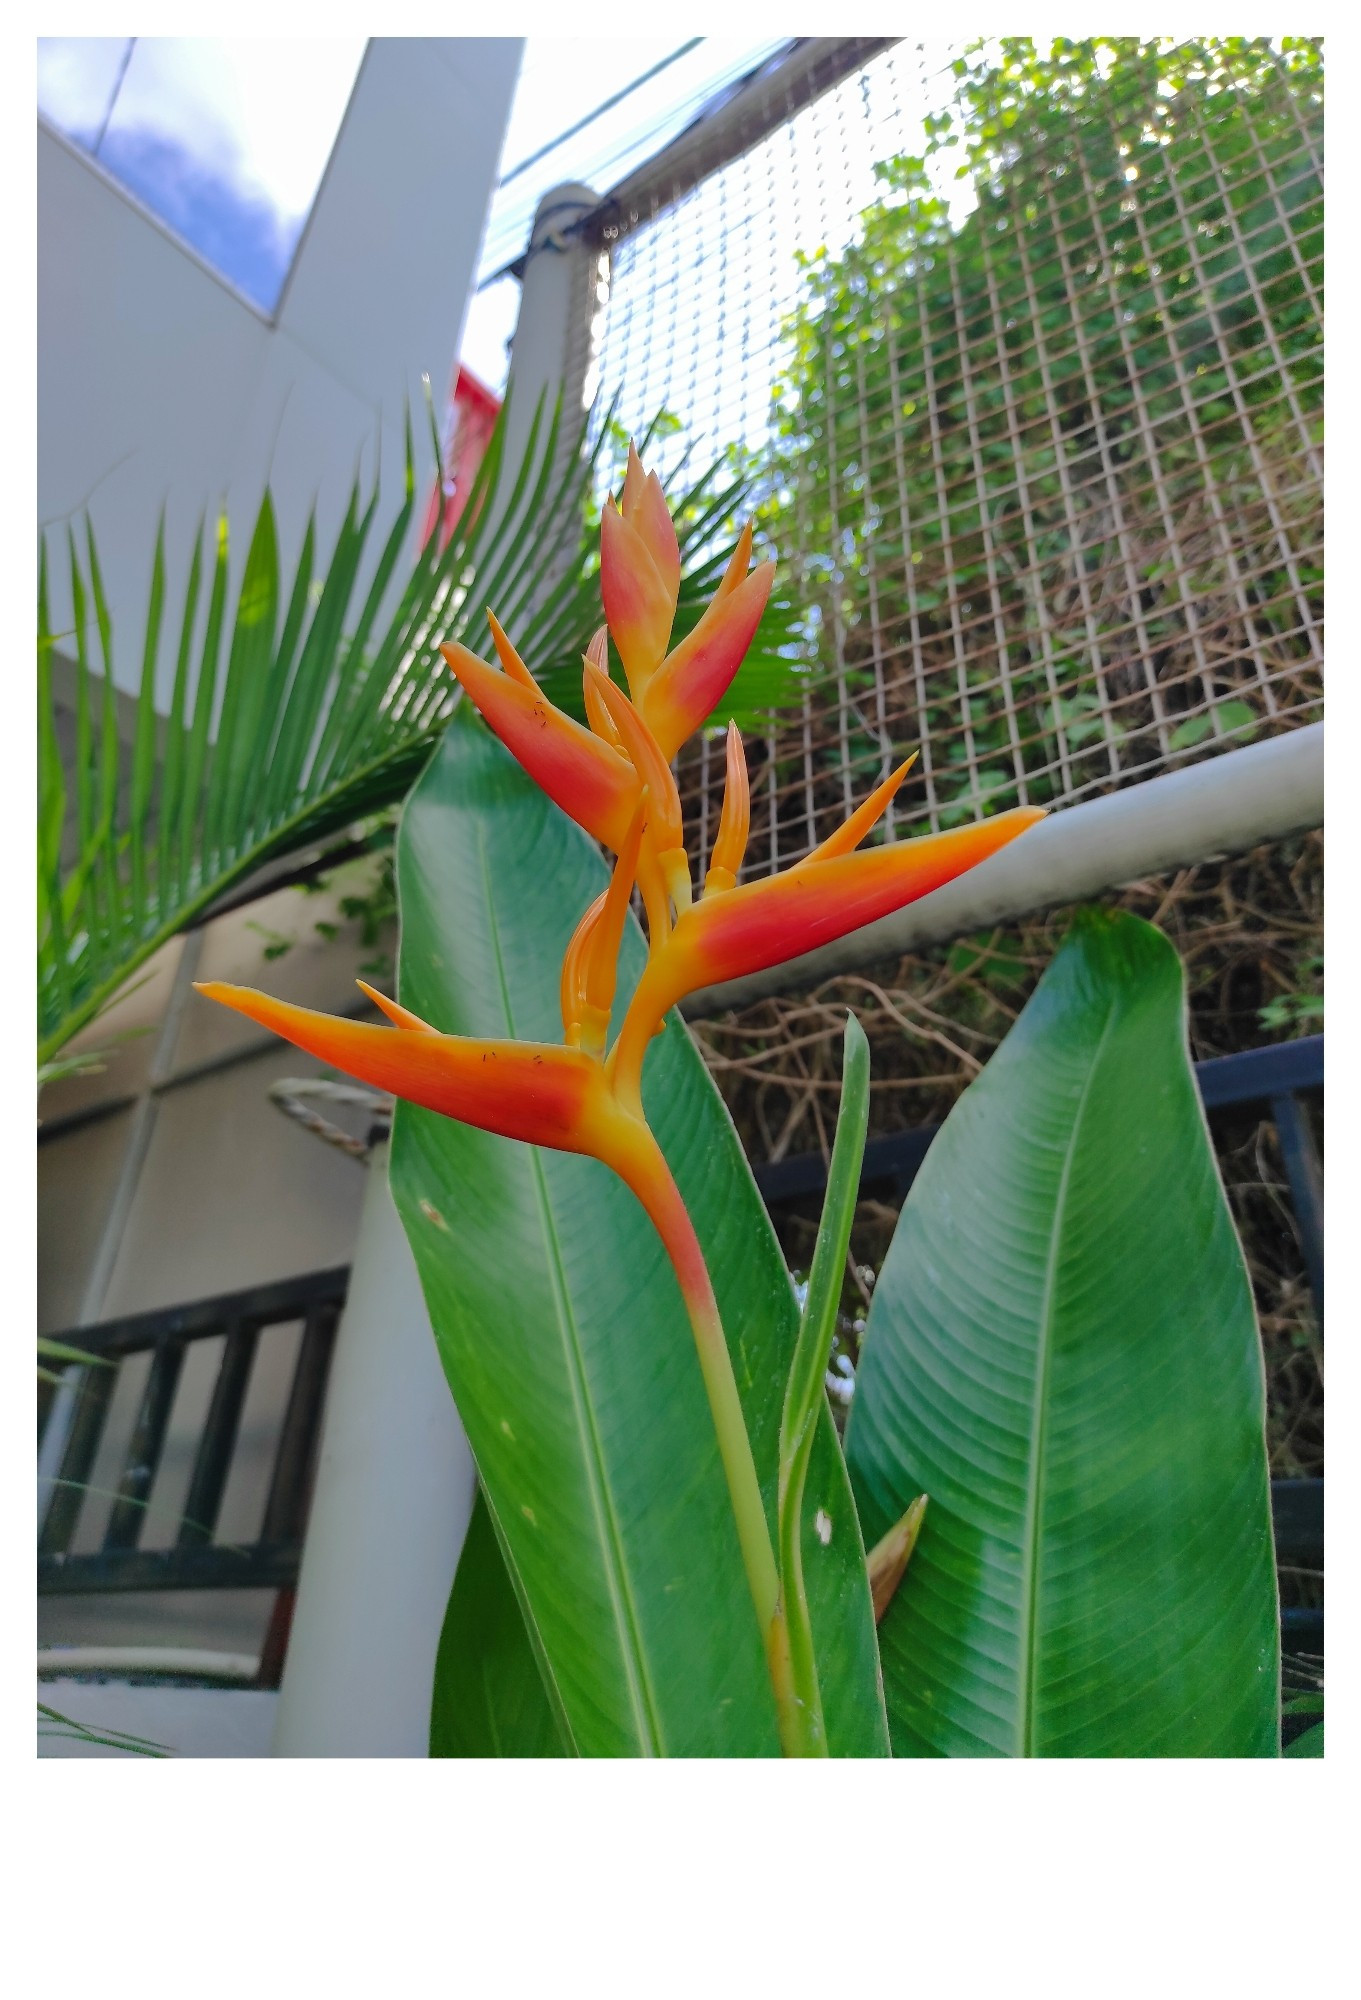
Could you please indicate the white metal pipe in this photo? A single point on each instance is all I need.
(1220, 807)
(394, 1494)
(549, 352)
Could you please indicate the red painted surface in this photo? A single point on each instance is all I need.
(471, 417)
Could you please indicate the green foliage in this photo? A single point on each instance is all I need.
(805, 1396)
(490, 1698)
(324, 710)
(562, 1329)
(65, 1728)
(1062, 1353)
(988, 437)
(327, 704)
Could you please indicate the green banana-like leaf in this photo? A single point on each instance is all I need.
(330, 699)
(562, 1330)
(1062, 1353)
(490, 1696)
(805, 1396)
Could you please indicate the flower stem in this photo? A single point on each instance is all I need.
(651, 1181)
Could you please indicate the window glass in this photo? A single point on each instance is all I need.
(226, 141)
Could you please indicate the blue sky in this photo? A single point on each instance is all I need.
(225, 140)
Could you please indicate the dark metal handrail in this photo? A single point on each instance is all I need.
(195, 1561)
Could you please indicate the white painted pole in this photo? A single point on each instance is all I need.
(1223, 806)
(395, 1477)
(394, 1494)
(563, 291)
(559, 318)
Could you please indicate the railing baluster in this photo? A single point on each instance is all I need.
(288, 1494)
(93, 1394)
(213, 1460)
(195, 1562)
(144, 1453)
(47, 1395)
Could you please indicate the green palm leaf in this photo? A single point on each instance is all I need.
(305, 708)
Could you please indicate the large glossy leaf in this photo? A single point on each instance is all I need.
(1062, 1353)
(561, 1325)
(490, 1698)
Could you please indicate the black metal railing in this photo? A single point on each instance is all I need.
(195, 1560)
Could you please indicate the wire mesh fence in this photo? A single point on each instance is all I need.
(1023, 349)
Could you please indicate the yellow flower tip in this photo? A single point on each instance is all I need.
(849, 836)
(734, 823)
(573, 981)
(633, 479)
(676, 868)
(738, 564)
(509, 658)
(639, 581)
(401, 1017)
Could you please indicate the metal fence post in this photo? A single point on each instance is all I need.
(564, 285)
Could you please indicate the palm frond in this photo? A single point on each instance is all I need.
(321, 713)
(324, 712)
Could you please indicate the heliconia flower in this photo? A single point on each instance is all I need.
(666, 835)
(697, 673)
(535, 1091)
(595, 784)
(572, 983)
(597, 715)
(643, 505)
(639, 603)
(833, 891)
(614, 779)
(639, 573)
(591, 965)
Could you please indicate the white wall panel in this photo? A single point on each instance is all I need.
(158, 384)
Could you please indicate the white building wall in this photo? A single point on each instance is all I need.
(158, 384)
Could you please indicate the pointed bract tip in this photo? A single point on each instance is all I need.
(887, 1561)
(401, 1017)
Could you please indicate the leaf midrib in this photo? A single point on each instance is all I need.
(642, 1699)
(1030, 1573)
